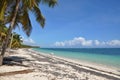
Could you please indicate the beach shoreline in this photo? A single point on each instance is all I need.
(51, 67)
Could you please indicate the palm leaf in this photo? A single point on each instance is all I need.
(37, 2)
(3, 4)
(26, 23)
(50, 3)
(39, 17)
(29, 3)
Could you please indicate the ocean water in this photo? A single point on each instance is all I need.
(105, 56)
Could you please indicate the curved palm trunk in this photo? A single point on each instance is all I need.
(9, 32)
(11, 41)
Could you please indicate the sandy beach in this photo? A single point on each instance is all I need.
(26, 64)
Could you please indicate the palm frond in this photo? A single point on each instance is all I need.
(29, 3)
(39, 17)
(37, 2)
(50, 3)
(26, 23)
(3, 5)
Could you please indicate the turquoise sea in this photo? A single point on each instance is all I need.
(105, 56)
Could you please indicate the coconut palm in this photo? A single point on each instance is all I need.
(16, 42)
(3, 33)
(2, 37)
(16, 12)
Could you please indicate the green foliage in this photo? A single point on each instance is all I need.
(25, 6)
(28, 46)
(16, 41)
(15, 12)
(3, 33)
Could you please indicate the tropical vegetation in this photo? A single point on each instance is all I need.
(3, 33)
(16, 13)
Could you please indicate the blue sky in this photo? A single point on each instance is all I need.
(79, 23)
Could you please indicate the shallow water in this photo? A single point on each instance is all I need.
(105, 56)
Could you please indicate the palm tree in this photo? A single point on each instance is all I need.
(16, 12)
(16, 42)
(2, 37)
(3, 33)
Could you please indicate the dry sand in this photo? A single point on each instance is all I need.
(26, 64)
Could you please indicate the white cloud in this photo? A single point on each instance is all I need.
(59, 44)
(114, 43)
(97, 42)
(76, 41)
(83, 42)
(28, 41)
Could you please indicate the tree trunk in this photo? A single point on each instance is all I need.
(11, 41)
(1, 59)
(9, 32)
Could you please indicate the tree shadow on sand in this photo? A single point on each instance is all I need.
(14, 60)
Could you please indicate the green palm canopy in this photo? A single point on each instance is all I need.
(22, 17)
(15, 12)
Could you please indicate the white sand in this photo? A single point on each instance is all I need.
(50, 67)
